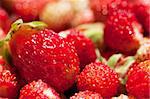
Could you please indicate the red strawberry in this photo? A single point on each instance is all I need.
(8, 83)
(122, 32)
(100, 8)
(138, 82)
(99, 78)
(86, 95)
(28, 9)
(142, 12)
(43, 54)
(84, 46)
(4, 20)
(107, 52)
(38, 90)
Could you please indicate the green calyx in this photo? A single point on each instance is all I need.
(4, 46)
(17, 24)
(120, 65)
(112, 61)
(122, 69)
(94, 31)
(99, 57)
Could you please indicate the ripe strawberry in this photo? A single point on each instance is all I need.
(122, 32)
(143, 53)
(28, 9)
(84, 46)
(138, 82)
(8, 83)
(57, 15)
(43, 54)
(102, 8)
(4, 20)
(86, 95)
(38, 90)
(99, 78)
(142, 12)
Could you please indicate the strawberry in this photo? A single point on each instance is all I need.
(143, 53)
(84, 46)
(8, 82)
(138, 82)
(28, 9)
(100, 8)
(4, 20)
(38, 90)
(57, 15)
(107, 52)
(43, 54)
(122, 32)
(142, 12)
(86, 95)
(99, 78)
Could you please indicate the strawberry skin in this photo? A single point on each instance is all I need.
(43, 54)
(102, 8)
(4, 20)
(38, 90)
(99, 78)
(142, 12)
(86, 95)
(8, 83)
(84, 46)
(138, 82)
(28, 9)
(122, 32)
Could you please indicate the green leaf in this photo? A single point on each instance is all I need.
(124, 68)
(112, 61)
(94, 31)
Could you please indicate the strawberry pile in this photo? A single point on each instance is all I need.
(74, 49)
